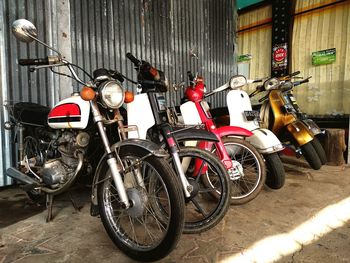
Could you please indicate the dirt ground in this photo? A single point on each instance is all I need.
(308, 220)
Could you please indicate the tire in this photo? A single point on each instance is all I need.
(275, 174)
(210, 198)
(311, 156)
(246, 187)
(319, 150)
(141, 221)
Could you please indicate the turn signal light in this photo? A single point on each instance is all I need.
(129, 97)
(87, 93)
(154, 72)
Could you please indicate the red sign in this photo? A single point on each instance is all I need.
(280, 54)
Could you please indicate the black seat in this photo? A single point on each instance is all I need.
(31, 113)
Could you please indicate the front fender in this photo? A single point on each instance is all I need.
(299, 131)
(192, 134)
(313, 127)
(146, 145)
(233, 130)
(265, 141)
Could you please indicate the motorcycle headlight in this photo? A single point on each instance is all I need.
(271, 83)
(237, 81)
(112, 94)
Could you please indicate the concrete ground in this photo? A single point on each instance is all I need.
(306, 221)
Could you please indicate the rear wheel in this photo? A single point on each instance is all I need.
(139, 231)
(249, 172)
(275, 174)
(311, 156)
(319, 150)
(210, 197)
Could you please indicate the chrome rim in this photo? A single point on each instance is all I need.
(142, 228)
(248, 182)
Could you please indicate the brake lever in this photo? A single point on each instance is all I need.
(263, 98)
(46, 66)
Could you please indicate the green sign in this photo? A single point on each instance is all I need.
(245, 3)
(243, 58)
(323, 57)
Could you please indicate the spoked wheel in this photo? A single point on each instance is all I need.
(210, 197)
(152, 226)
(249, 173)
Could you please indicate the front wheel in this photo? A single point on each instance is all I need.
(275, 174)
(249, 172)
(150, 229)
(311, 156)
(210, 197)
(319, 150)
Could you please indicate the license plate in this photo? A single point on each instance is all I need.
(251, 115)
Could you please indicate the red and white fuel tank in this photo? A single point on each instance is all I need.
(70, 113)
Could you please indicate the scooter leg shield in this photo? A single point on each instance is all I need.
(265, 141)
(301, 134)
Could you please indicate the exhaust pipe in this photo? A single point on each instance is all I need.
(19, 176)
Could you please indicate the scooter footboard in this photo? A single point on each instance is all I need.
(301, 134)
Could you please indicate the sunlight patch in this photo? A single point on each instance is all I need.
(275, 247)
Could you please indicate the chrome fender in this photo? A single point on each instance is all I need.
(265, 141)
(148, 146)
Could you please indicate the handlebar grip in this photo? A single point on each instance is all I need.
(304, 81)
(133, 59)
(294, 73)
(33, 61)
(297, 83)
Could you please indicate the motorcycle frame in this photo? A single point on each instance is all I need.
(165, 129)
(220, 133)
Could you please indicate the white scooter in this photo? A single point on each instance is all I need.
(266, 142)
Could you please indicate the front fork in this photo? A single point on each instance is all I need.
(111, 160)
(174, 151)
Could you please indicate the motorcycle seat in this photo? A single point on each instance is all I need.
(31, 113)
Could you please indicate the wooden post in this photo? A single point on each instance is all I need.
(349, 143)
(335, 146)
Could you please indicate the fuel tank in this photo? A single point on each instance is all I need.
(70, 113)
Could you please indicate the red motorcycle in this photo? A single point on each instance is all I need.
(243, 162)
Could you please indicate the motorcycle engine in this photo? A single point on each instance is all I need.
(58, 170)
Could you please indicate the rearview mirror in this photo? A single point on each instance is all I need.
(24, 30)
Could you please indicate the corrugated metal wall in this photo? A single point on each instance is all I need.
(17, 83)
(102, 31)
(162, 32)
(328, 92)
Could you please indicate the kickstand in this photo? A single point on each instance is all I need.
(49, 202)
(76, 207)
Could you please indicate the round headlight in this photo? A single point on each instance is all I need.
(271, 83)
(237, 82)
(112, 94)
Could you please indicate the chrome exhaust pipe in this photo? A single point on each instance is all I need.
(19, 176)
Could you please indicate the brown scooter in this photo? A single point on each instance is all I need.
(279, 115)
